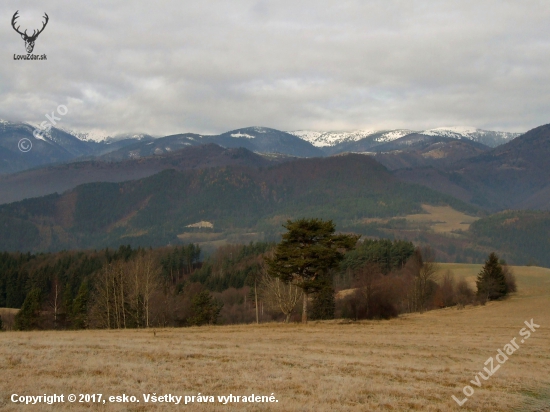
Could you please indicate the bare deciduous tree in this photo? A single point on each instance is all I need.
(448, 289)
(54, 301)
(365, 282)
(145, 273)
(425, 277)
(124, 290)
(277, 294)
(464, 293)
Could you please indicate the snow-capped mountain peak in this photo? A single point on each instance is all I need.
(487, 137)
(96, 135)
(456, 132)
(330, 139)
(392, 135)
(324, 139)
(90, 136)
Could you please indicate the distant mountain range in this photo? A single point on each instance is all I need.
(363, 139)
(329, 139)
(486, 137)
(255, 139)
(52, 147)
(141, 190)
(59, 145)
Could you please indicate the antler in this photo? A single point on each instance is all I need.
(34, 33)
(15, 17)
(43, 26)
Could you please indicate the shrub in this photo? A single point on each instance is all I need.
(464, 293)
(510, 279)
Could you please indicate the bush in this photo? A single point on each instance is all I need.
(447, 290)
(464, 293)
(375, 295)
(510, 279)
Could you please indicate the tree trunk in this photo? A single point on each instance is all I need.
(256, 298)
(304, 308)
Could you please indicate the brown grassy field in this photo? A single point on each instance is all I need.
(438, 219)
(442, 219)
(415, 362)
(8, 316)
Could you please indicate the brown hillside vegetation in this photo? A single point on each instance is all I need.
(415, 362)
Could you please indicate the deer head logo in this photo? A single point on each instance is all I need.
(29, 40)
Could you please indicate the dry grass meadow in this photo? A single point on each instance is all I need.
(439, 219)
(415, 362)
(442, 219)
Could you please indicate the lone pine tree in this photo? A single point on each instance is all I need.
(491, 281)
(308, 251)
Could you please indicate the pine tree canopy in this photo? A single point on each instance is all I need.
(308, 250)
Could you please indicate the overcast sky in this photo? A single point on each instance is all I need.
(170, 66)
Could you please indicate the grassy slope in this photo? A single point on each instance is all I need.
(415, 362)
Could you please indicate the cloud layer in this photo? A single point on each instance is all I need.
(176, 66)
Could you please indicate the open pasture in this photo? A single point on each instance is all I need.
(416, 362)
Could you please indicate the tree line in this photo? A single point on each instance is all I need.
(329, 275)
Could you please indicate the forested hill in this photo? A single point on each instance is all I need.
(153, 211)
(62, 177)
(525, 234)
(515, 175)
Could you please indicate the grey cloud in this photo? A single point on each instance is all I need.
(174, 66)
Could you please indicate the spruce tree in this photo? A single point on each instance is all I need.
(29, 316)
(67, 305)
(205, 309)
(80, 307)
(491, 281)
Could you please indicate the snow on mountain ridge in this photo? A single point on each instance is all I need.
(243, 135)
(93, 136)
(323, 139)
(488, 137)
(393, 135)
